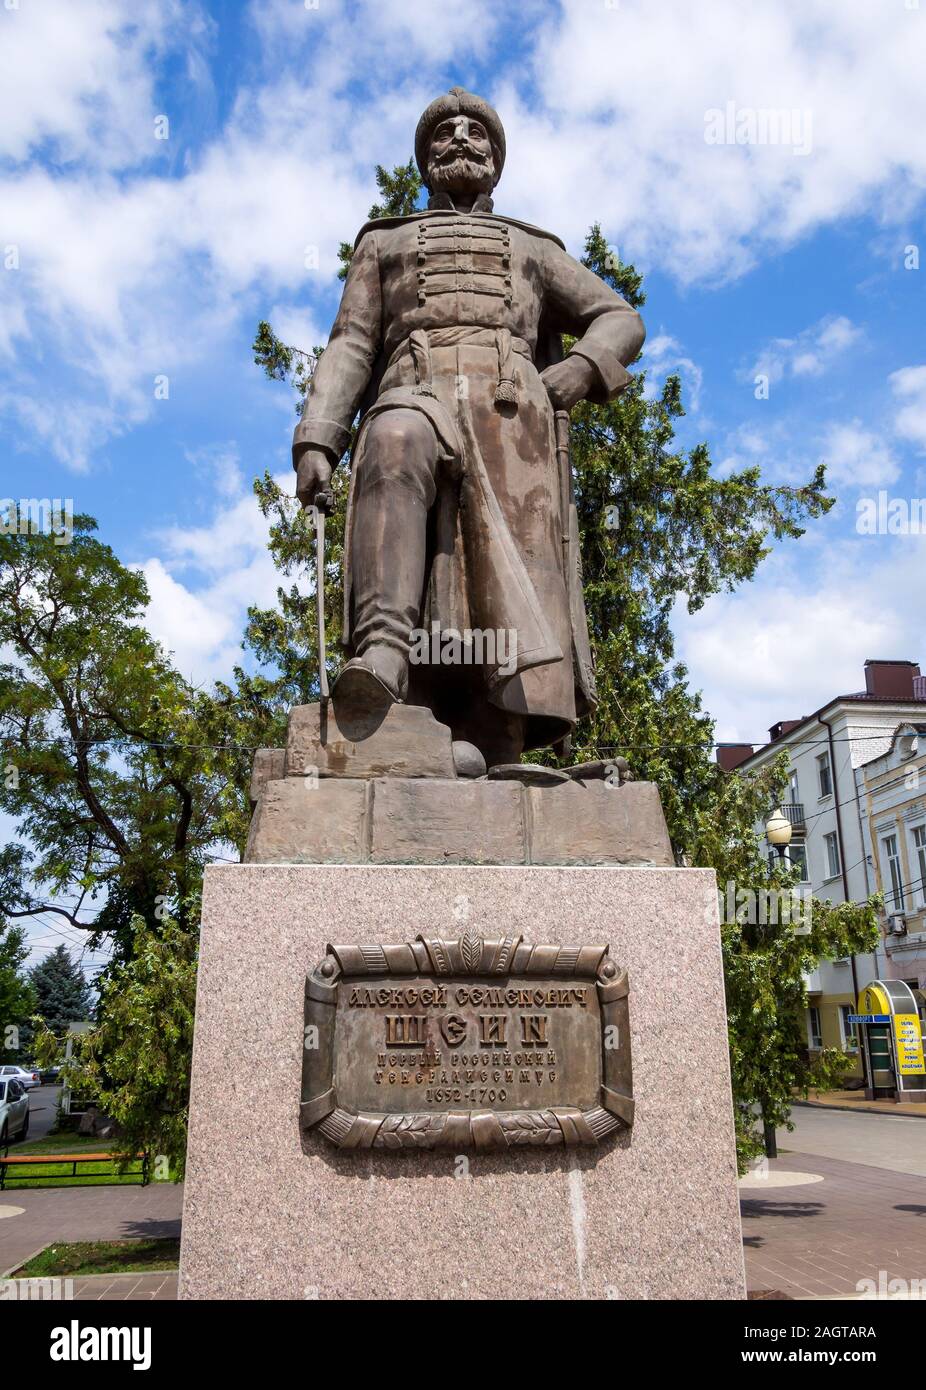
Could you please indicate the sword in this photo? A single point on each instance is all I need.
(564, 464)
(322, 504)
(561, 434)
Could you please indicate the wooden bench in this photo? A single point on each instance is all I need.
(14, 1161)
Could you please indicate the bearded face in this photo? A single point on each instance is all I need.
(461, 159)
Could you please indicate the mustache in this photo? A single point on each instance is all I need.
(462, 152)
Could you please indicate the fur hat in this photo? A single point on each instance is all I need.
(459, 102)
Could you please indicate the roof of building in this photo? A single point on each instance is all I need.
(861, 697)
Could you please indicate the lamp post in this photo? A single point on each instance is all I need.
(778, 830)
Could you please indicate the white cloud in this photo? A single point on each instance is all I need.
(78, 78)
(625, 91)
(663, 355)
(604, 117)
(204, 579)
(857, 457)
(809, 353)
(220, 464)
(909, 386)
(781, 647)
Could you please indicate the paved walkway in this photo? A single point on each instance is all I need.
(819, 1239)
(897, 1142)
(855, 1100)
(31, 1218)
(808, 1240)
(130, 1288)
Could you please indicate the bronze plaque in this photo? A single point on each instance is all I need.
(434, 1043)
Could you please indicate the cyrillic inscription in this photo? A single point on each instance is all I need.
(491, 1042)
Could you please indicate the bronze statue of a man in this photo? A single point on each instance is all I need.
(460, 515)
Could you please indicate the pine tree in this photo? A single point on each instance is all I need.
(62, 994)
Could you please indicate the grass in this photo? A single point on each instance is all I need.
(101, 1257)
(62, 1143)
(88, 1175)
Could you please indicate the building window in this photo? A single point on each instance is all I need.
(848, 1030)
(797, 857)
(895, 898)
(825, 774)
(832, 854)
(919, 845)
(814, 1033)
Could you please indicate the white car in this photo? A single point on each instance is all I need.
(28, 1078)
(14, 1110)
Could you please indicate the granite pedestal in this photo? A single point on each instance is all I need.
(649, 1213)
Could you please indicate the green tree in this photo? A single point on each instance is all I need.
(135, 1062)
(122, 777)
(656, 523)
(62, 994)
(765, 962)
(17, 997)
(124, 781)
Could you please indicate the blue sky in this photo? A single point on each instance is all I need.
(140, 257)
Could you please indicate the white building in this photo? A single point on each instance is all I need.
(828, 813)
(892, 788)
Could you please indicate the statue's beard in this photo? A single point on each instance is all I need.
(461, 175)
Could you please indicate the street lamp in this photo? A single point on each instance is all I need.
(778, 831)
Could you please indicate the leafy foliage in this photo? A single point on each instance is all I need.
(656, 525)
(829, 1068)
(765, 963)
(127, 778)
(17, 996)
(136, 1062)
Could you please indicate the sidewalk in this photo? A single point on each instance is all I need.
(819, 1239)
(855, 1100)
(31, 1218)
(129, 1288)
(809, 1240)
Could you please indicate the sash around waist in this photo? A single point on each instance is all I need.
(472, 336)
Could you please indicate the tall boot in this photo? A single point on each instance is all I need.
(389, 541)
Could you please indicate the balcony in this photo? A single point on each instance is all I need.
(794, 810)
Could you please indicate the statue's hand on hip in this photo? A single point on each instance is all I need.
(569, 381)
(313, 474)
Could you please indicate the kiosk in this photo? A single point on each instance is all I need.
(891, 1035)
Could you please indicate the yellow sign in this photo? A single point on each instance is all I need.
(873, 1000)
(909, 1038)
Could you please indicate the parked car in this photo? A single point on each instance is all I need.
(50, 1076)
(27, 1077)
(14, 1110)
